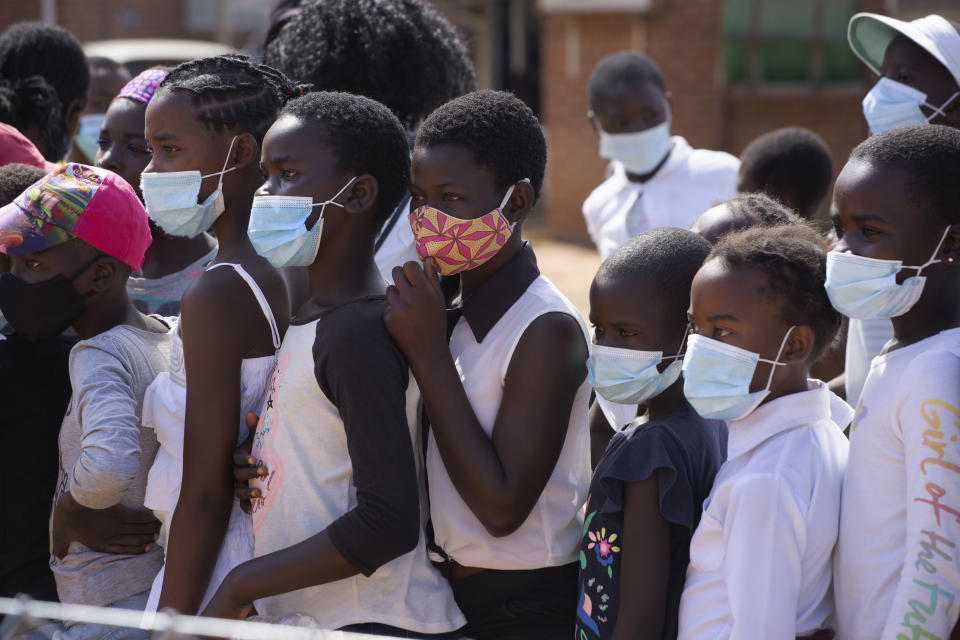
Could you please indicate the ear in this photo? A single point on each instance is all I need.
(520, 204)
(799, 345)
(245, 152)
(950, 251)
(359, 198)
(362, 195)
(103, 274)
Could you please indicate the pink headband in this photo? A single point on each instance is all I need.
(143, 86)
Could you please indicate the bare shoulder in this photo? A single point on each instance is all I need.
(553, 331)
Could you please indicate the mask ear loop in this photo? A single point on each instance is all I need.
(323, 205)
(506, 199)
(776, 363)
(933, 258)
(939, 111)
(225, 163)
(680, 352)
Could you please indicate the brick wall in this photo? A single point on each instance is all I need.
(684, 37)
(836, 116)
(103, 19)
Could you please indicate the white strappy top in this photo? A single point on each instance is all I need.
(164, 407)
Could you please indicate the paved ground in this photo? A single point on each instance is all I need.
(570, 267)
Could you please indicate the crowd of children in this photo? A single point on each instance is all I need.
(280, 350)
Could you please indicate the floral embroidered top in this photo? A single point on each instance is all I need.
(685, 451)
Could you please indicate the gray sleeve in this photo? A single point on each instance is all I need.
(106, 402)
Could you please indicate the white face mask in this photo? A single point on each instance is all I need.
(171, 199)
(629, 376)
(278, 229)
(639, 152)
(891, 104)
(717, 377)
(866, 288)
(88, 134)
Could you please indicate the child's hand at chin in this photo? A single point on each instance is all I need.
(416, 316)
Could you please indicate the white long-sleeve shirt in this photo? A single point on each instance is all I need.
(760, 560)
(689, 182)
(897, 569)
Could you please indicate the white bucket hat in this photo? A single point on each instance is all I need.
(870, 34)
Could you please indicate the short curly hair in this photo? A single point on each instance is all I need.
(232, 92)
(401, 53)
(790, 160)
(759, 210)
(500, 131)
(623, 67)
(668, 256)
(15, 178)
(930, 155)
(794, 259)
(366, 137)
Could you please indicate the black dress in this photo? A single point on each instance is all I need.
(685, 451)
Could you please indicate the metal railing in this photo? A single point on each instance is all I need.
(26, 617)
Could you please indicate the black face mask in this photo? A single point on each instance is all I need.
(42, 310)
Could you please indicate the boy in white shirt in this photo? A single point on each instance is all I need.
(760, 559)
(895, 203)
(656, 180)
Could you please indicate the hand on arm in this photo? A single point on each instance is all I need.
(116, 529)
(311, 562)
(644, 563)
(385, 523)
(246, 467)
(499, 478)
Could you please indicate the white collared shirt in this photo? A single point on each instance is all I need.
(398, 246)
(690, 182)
(897, 566)
(760, 559)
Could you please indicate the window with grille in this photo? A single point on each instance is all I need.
(778, 42)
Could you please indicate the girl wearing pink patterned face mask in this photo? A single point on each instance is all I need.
(508, 443)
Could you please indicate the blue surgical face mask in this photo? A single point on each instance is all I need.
(866, 288)
(89, 133)
(639, 152)
(171, 199)
(891, 104)
(279, 232)
(629, 376)
(717, 376)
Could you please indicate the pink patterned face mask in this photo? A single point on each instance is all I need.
(456, 244)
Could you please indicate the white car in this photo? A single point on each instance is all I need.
(137, 54)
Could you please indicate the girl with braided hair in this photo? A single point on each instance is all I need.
(205, 125)
(43, 85)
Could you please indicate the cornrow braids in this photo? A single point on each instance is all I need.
(232, 92)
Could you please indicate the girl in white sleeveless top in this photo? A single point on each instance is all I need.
(507, 453)
(164, 406)
(205, 124)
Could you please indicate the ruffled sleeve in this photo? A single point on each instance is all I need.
(650, 449)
